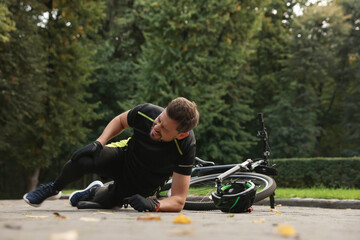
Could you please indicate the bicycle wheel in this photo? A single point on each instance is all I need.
(199, 195)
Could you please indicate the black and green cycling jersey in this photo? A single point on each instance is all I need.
(153, 162)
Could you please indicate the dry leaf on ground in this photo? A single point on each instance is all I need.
(69, 235)
(277, 212)
(87, 219)
(149, 217)
(13, 227)
(180, 232)
(104, 213)
(31, 216)
(261, 220)
(58, 215)
(182, 219)
(286, 230)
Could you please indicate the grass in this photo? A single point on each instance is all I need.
(324, 193)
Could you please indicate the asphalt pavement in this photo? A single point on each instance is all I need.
(57, 220)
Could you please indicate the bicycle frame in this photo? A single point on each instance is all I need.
(260, 166)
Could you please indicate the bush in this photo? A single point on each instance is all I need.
(318, 172)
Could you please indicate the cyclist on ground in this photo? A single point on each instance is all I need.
(162, 146)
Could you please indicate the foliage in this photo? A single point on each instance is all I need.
(310, 97)
(350, 70)
(318, 172)
(114, 79)
(201, 53)
(45, 79)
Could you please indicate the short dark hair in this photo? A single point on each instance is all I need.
(184, 112)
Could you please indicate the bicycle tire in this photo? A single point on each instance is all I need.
(204, 202)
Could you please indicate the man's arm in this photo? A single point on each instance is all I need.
(179, 189)
(114, 128)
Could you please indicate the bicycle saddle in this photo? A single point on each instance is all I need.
(203, 163)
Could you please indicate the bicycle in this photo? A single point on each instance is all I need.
(207, 178)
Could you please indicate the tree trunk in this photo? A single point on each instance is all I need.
(33, 180)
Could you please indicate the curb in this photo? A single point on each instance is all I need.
(302, 202)
(311, 202)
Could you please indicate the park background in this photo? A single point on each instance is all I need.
(68, 67)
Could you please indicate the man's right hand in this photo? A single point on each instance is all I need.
(90, 150)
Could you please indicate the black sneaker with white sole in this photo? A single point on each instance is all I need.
(44, 192)
(84, 194)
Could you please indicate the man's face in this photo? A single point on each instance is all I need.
(164, 129)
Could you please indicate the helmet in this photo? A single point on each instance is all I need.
(235, 197)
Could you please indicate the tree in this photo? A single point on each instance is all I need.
(310, 99)
(56, 40)
(199, 50)
(271, 50)
(114, 77)
(22, 62)
(350, 71)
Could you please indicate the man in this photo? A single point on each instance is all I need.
(162, 146)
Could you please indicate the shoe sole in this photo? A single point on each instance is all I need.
(88, 187)
(54, 197)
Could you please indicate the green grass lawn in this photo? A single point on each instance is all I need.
(325, 193)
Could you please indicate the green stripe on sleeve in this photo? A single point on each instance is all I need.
(145, 116)
(178, 147)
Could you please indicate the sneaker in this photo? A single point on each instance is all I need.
(84, 194)
(42, 193)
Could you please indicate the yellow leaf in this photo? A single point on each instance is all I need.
(182, 231)
(182, 219)
(86, 219)
(277, 212)
(104, 213)
(286, 230)
(30, 216)
(261, 220)
(149, 217)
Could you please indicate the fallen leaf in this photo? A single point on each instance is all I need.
(261, 220)
(231, 216)
(69, 235)
(149, 217)
(279, 205)
(286, 230)
(31, 216)
(182, 219)
(178, 231)
(104, 213)
(277, 212)
(13, 227)
(86, 219)
(60, 216)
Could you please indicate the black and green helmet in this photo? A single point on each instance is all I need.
(235, 197)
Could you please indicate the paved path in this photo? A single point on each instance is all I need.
(21, 221)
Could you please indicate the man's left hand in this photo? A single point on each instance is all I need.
(142, 204)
